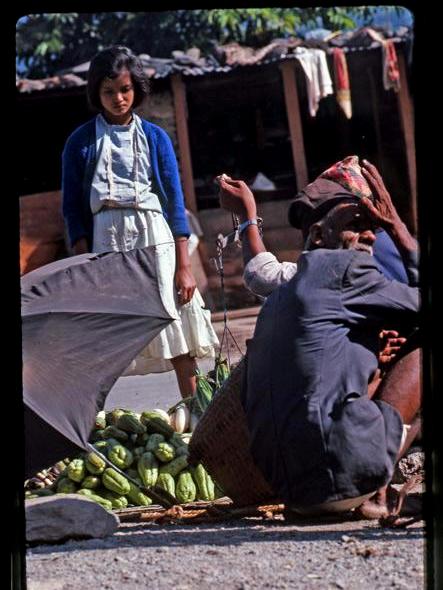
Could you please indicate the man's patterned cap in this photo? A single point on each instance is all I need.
(341, 182)
(348, 174)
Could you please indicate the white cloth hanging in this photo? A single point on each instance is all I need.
(318, 78)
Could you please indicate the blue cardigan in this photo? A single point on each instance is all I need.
(78, 164)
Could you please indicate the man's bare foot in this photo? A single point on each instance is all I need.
(375, 507)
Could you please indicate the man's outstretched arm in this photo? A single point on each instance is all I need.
(263, 272)
(237, 197)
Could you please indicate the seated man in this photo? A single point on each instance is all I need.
(321, 437)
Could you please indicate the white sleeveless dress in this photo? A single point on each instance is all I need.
(127, 215)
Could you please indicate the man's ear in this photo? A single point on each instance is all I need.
(316, 235)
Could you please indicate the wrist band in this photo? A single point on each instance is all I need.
(256, 221)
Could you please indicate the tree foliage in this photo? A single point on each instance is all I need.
(47, 43)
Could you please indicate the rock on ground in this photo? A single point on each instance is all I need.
(67, 516)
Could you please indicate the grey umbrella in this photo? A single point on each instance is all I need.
(84, 319)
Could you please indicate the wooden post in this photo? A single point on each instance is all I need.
(181, 121)
(379, 159)
(295, 125)
(406, 110)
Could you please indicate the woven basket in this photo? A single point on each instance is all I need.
(221, 442)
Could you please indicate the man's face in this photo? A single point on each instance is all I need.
(347, 227)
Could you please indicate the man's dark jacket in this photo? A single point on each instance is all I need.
(315, 434)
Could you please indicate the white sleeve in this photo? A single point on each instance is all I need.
(264, 273)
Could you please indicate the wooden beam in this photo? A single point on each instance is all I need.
(181, 121)
(406, 109)
(379, 159)
(295, 125)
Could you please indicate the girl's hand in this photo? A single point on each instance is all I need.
(185, 284)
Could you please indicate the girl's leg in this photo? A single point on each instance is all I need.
(185, 369)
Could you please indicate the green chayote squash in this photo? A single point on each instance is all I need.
(175, 466)
(166, 482)
(205, 485)
(154, 441)
(120, 456)
(112, 480)
(66, 486)
(130, 423)
(164, 452)
(114, 432)
(76, 470)
(94, 464)
(118, 502)
(91, 482)
(147, 467)
(185, 488)
(137, 497)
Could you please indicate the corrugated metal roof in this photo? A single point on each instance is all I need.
(64, 81)
(227, 58)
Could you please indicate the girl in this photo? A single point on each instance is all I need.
(121, 190)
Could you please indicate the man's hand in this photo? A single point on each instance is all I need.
(236, 196)
(390, 343)
(382, 211)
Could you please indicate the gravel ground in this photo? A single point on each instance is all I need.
(247, 554)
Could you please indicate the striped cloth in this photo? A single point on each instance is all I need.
(341, 79)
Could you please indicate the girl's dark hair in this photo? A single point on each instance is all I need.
(108, 64)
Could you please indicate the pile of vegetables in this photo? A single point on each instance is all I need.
(150, 447)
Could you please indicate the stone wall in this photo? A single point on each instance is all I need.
(158, 108)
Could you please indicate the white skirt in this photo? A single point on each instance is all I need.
(118, 229)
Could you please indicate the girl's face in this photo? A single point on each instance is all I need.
(117, 97)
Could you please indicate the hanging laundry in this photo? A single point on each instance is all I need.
(391, 72)
(341, 78)
(318, 79)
